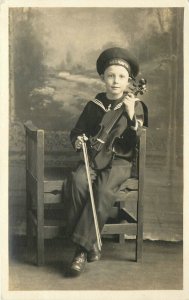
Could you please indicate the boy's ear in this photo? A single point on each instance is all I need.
(102, 77)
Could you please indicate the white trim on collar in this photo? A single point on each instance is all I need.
(99, 103)
(118, 105)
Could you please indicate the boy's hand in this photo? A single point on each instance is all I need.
(79, 140)
(129, 102)
(92, 174)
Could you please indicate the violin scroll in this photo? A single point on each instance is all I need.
(139, 87)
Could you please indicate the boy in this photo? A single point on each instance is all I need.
(116, 66)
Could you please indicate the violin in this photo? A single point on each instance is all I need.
(112, 126)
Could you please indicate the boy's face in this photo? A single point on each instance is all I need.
(116, 79)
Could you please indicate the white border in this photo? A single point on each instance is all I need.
(4, 100)
(95, 3)
(4, 107)
(186, 150)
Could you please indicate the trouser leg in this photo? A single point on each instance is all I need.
(105, 188)
(76, 194)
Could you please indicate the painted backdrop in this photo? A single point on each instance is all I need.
(53, 53)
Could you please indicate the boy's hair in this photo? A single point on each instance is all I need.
(117, 56)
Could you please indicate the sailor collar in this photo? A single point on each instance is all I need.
(106, 104)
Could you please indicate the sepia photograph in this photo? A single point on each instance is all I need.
(95, 135)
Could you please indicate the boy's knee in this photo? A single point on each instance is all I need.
(105, 198)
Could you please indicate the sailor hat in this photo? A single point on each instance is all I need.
(117, 56)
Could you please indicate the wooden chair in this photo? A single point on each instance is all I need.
(44, 194)
(129, 209)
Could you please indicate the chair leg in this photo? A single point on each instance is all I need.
(139, 243)
(139, 237)
(121, 236)
(40, 232)
(40, 250)
(29, 226)
(29, 232)
(29, 237)
(139, 251)
(121, 239)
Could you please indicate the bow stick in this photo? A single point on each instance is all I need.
(84, 147)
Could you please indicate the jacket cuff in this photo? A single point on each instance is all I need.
(135, 123)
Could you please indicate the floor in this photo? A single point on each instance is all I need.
(161, 268)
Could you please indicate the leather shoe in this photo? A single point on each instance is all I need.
(94, 254)
(78, 263)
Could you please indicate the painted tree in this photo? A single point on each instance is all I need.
(27, 55)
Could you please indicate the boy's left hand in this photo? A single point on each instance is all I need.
(129, 102)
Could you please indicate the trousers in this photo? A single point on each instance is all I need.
(78, 210)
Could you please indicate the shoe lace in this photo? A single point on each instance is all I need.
(80, 258)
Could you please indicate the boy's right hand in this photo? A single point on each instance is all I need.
(79, 140)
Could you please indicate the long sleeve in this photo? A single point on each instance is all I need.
(123, 146)
(138, 119)
(80, 127)
(88, 122)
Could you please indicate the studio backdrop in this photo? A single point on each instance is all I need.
(52, 57)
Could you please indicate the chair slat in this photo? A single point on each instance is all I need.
(130, 184)
(127, 195)
(127, 228)
(52, 199)
(53, 185)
